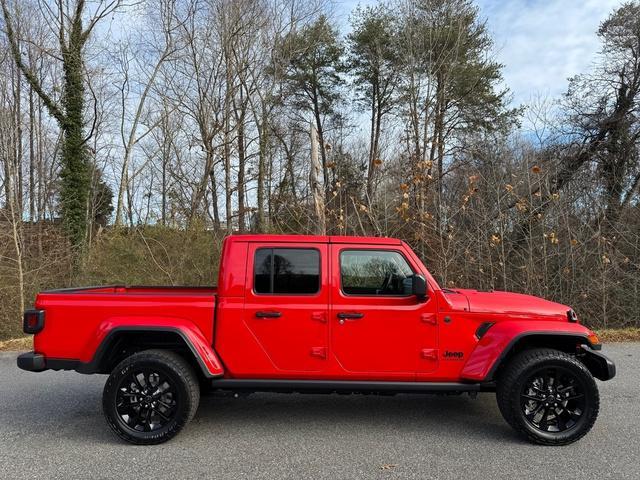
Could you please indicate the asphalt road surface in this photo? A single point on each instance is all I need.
(51, 426)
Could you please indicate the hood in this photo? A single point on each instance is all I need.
(504, 302)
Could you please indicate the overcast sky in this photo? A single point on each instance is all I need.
(540, 42)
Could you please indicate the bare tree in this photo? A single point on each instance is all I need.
(169, 25)
(73, 32)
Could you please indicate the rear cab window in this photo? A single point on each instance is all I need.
(286, 271)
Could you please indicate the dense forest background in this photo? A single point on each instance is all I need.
(135, 135)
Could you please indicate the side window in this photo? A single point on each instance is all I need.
(286, 271)
(374, 272)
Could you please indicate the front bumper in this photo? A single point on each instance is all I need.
(599, 365)
(32, 362)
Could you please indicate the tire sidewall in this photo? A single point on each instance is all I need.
(119, 425)
(591, 400)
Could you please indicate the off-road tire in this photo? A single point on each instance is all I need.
(528, 364)
(185, 394)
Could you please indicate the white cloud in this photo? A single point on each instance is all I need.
(543, 42)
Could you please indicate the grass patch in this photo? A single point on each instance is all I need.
(17, 344)
(612, 335)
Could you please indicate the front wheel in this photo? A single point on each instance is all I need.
(150, 396)
(548, 396)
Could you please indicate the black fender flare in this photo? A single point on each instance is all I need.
(580, 340)
(95, 365)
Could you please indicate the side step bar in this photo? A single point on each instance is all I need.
(328, 386)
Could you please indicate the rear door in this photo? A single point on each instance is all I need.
(286, 304)
(376, 323)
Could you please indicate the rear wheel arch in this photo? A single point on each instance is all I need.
(122, 342)
(564, 342)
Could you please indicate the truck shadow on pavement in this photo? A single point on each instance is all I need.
(77, 416)
(443, 416)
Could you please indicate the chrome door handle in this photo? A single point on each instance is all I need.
(350, 315)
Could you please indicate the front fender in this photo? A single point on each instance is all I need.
(496, 343)
(192, 336)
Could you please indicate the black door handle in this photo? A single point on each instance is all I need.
(271, 314)
(350, 315)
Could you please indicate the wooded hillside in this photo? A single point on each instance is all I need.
(135, 135)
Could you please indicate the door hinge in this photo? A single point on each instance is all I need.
(319, 317)
(429, 318)
(320, 352)
(429, 354)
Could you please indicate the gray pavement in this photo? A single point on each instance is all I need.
(51, 426)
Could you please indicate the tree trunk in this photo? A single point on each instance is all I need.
(241, 167)
(322, 147)
(18, 144)
(227, 173)
(41, 204)
(316, 188)
(437, 147)
(262, 132)
(372, 146)
(32, 159)
(214, 199)
(74, 175)
(163, 218)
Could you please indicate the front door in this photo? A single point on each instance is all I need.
(286, 304)
(376, 323)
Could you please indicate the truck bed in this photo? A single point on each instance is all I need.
(77, 319)
(138, 289)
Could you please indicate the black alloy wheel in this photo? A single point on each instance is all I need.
(548, 396)
(146, 400)
(553, 399)
(150, 396)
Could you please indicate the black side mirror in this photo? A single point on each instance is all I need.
(419, 287)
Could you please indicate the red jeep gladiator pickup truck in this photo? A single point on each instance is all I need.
(320, 314)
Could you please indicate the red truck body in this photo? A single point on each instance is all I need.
(398, 338)
(448, 339)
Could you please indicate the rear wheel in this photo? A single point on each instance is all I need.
(150, 396)
(548, 396)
